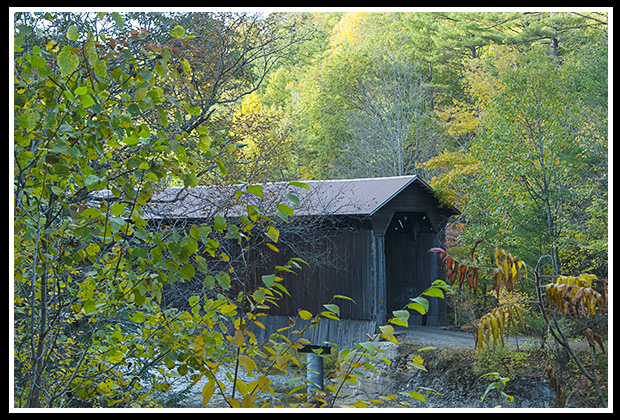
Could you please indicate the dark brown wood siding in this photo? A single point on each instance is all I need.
(346, 270)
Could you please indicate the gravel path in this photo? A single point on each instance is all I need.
(445, 337)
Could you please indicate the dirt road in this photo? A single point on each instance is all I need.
(442, 337)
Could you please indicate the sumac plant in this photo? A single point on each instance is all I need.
(457, 271)
(573, 296)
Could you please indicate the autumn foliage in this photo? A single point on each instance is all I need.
(455, 270)
(575, 296)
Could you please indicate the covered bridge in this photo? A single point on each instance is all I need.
(371, 238)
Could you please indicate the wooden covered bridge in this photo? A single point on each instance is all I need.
(369, 238)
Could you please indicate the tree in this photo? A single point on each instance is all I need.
(92, 145)
(532, 154)
(263, 139)
(392, 127)
(92, 261)
(364, 108)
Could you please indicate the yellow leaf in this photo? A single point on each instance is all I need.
(305, 315)
(273, 247)
(207, 392)
(479, 336)
(140, 94)
(239, 338)
(186, 67)
(387, 332)
(225, 309)
(247, 363)
(52, 46)
(258, 324)
(272, 233)
(418, 363)
(92, 249)
(494, 328)
(281, 363)
(519, 312)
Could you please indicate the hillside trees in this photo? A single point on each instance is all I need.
(365, 106)
(537, 153)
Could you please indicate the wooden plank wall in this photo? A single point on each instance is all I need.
(347, 270)
(344, 333)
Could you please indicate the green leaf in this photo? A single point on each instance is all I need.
(138, 317)
(369, 347)
(223, 279)
(331, 307)
(400, 318)
(282, 215)
(188, 271)
(89, 307)
(140, 94)
(415, 395)
(90, 213)
(256, 190)
(87, 101)
(80, 90)
(268, 280)
(419, 304)
(417, 307)
(387, 330)
(101, 68)
(72, 33)
(38, 62)
(299, 184)
(293, 198)
(177, 32)
(146, 75)
(118, 19)
(434, 292)
(286, 209)
(117, 209)
(91, 181)
(131, 140)
(219, 223)
(67, 62)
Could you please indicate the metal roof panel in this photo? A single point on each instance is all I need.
(363, 196)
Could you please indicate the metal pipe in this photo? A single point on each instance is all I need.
(314, 366)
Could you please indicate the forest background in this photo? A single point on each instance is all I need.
(504, 113)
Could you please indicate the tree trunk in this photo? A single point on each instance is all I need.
(36, 381)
